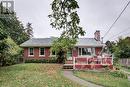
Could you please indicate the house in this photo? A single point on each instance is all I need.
(84, 54)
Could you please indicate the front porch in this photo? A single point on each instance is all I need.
(84, 63)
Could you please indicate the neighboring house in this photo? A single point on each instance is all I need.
(39, 48)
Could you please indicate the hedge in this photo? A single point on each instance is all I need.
(51, 60)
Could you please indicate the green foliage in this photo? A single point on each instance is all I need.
(119, 74)
(12, 34)
(11, 25)
(10, 53)
(122, 48)
(51, 60)
(106, 79)
(29, 30)
(14, 28)
(64, 17)
(110, 46)
(61, 46)
(34, 75)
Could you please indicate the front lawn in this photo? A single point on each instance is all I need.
(126, 69)
(34, 75)
(103, 78)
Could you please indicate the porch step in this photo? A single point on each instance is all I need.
(68, 67)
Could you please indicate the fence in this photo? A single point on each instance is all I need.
(125, 61)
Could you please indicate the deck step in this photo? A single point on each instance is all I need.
(68, 67)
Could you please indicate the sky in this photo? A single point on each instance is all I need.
(94, 15)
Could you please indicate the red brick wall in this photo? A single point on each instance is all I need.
(47, 52)
(98, 50)
(36, 53)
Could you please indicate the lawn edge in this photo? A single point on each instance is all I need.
(89, 80)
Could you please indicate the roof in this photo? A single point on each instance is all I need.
(46, 42)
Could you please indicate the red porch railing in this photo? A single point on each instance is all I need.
(82, 61)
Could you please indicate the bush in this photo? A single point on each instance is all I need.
(51, 60)
(11, 52)
(119, 74)
(106, 67)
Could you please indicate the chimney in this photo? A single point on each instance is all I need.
(97, 35)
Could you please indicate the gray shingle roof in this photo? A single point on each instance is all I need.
(39, 42)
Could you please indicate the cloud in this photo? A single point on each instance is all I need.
(94, 15)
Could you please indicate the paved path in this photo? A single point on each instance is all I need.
(69, 75)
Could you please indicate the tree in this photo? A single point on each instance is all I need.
(10, 53)
(123, 48)
(13, 27)
(12, 34)
(110, 46)
(29, 30)
(64, 17)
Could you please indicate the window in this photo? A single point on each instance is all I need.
(42, 51)
(85, 51)
(31, 51)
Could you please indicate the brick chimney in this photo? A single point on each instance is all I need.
(97, 35)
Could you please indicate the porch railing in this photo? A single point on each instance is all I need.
(92, 61)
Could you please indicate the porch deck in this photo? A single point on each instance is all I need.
(90, 63)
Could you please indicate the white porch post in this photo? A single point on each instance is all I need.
(87, 61)
(112, 59)
(74, 63)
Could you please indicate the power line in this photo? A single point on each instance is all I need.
(116, 19)
(120, 33)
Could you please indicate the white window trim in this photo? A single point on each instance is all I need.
(85, 55)
(29, 52)
(94, 51)
(40, 52)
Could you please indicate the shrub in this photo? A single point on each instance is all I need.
(106, 67)
(11, 52)
(119, 74)
(51, 60)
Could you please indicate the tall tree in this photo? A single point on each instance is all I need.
(29, 30)
(123, 48)
(64, 17)
(12, 34)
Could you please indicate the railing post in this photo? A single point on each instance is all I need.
(112, 59)
(74, 63)
(101, 59)
(87, 60)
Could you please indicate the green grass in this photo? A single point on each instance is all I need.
(126, 69)
(34, 75)
(103, 78)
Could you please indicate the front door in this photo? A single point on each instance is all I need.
(69, 55)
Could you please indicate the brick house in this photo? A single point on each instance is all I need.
(84, 53)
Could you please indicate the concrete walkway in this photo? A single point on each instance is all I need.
(69, 75)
